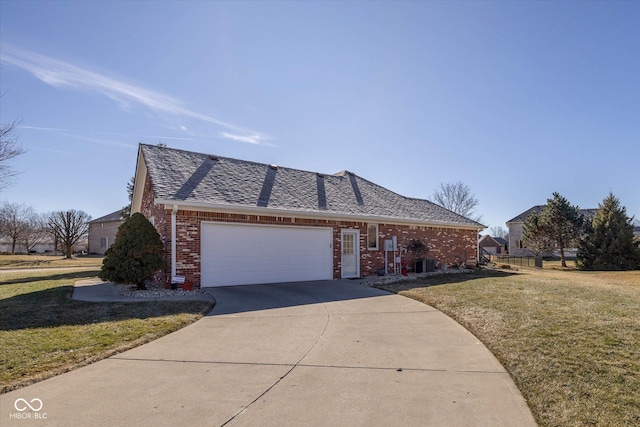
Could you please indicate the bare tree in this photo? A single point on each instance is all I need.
(457, 197)
(14, 222)
(68, 227)
(35, 231)
(9, 149)
(126, 211)
(498, 231)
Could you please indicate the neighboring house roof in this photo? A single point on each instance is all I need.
(113, 216)
(488, 241)
(209, 181)
(588, 213)
(500, 241)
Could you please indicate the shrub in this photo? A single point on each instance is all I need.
(136, 255)
(608, 242)
(417, 247)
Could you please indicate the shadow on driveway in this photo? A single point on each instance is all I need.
(249, 298)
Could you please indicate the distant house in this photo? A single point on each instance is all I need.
(504, 245)
(102, 232)
(516, 225)
(490, 245)
(43, 247)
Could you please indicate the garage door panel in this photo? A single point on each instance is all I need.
(239, 254)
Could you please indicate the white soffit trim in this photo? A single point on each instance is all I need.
(209, 207)
(138, 184)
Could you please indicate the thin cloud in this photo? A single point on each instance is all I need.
(250, 139)
(42, 128)
(48, 150)
(58, 73)
(146, 136)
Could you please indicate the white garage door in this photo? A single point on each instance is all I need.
(239, 254)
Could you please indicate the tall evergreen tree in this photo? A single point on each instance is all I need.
(608, 242)
(556, 227)
(136, 254)
(562, 222)
(535, 236)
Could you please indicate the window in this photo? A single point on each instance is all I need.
(103, 242)
(372, 237)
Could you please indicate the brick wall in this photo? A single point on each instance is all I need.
(447, 245)
(161, 219)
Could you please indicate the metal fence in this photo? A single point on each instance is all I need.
(521, 261)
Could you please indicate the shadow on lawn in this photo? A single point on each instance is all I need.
(443, 279)
(54, 307)
(34, 277)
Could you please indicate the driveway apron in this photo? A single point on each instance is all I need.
(296, 354)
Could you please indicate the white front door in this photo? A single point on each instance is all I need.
(350, 242)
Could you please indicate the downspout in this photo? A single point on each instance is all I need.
(478, 246)
(173, 241)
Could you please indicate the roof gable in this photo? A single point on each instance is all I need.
(500, 241)
(113, 216)
(184, 177)
(588, 213)
(487, 240)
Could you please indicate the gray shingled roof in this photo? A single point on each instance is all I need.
(113, 216)
(587, 213)
(500, 240)
(185, 177)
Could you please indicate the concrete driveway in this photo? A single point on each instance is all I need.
(301, 354)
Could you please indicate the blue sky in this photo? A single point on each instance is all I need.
(515, 99)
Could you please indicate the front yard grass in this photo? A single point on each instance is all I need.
(44, 332)
(569, 339)
(10, 262)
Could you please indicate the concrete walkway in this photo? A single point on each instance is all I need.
(305, 354)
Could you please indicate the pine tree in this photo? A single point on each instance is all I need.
(535, 236)
(608, 242)
(136, 255)
(561, 223)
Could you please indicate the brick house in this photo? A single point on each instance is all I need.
(490, 245)
(102, 232)
(226, 221)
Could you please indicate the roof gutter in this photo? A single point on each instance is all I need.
(213, 207)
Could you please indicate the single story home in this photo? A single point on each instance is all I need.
(516, 233)
(102, 232)
(226, 221)
(490, 245)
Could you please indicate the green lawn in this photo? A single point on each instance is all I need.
(569, 339)
(10, 262)
(44, 332)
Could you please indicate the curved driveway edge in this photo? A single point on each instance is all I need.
(315, 353)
